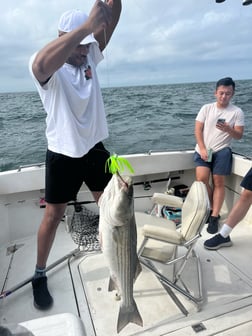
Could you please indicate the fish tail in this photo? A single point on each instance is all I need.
(127, 315)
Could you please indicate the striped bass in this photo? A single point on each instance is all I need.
(119, 245)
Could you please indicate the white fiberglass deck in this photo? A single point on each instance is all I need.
(227, 281)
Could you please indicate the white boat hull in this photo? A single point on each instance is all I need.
(79, 283)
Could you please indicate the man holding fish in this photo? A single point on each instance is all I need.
(64, 72)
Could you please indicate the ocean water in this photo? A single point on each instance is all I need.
(140, 118)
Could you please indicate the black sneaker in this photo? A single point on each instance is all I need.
(213, 225)
(42, 297)
(217, 241)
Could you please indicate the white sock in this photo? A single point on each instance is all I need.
(39, 272)
(225, 230)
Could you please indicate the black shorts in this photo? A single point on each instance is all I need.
(247, 180)
(65, 175)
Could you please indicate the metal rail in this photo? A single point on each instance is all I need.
(40, 164)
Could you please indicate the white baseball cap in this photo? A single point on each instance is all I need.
(71, 20)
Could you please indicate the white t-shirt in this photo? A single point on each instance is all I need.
(76, 118)
(214, 138)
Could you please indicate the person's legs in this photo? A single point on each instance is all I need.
(203, 172)
(203, 175)
(64, 177)
(237, 213)
(63, 181)
(240, 208)
(52, 217)
(217, 201)
(218, 194)
(222, 164)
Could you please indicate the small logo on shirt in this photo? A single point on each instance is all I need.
(88, 72)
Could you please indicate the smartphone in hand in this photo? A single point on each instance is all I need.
(221, 121)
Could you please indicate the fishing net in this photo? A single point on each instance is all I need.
(84, 228)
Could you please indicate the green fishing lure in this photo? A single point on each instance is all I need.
(117, 165)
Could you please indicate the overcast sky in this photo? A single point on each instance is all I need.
(156, 41)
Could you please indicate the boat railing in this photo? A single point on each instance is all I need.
(40, 164)
(154, 151)
(244, 156)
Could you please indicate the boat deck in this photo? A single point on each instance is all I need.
(79, 286)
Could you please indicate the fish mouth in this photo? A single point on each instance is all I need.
(124, 181)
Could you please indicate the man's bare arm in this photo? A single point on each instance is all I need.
(54, 54)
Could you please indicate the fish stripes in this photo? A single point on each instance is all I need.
(119, 244)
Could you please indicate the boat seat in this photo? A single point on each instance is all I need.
(172, 247)
(56, 325)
